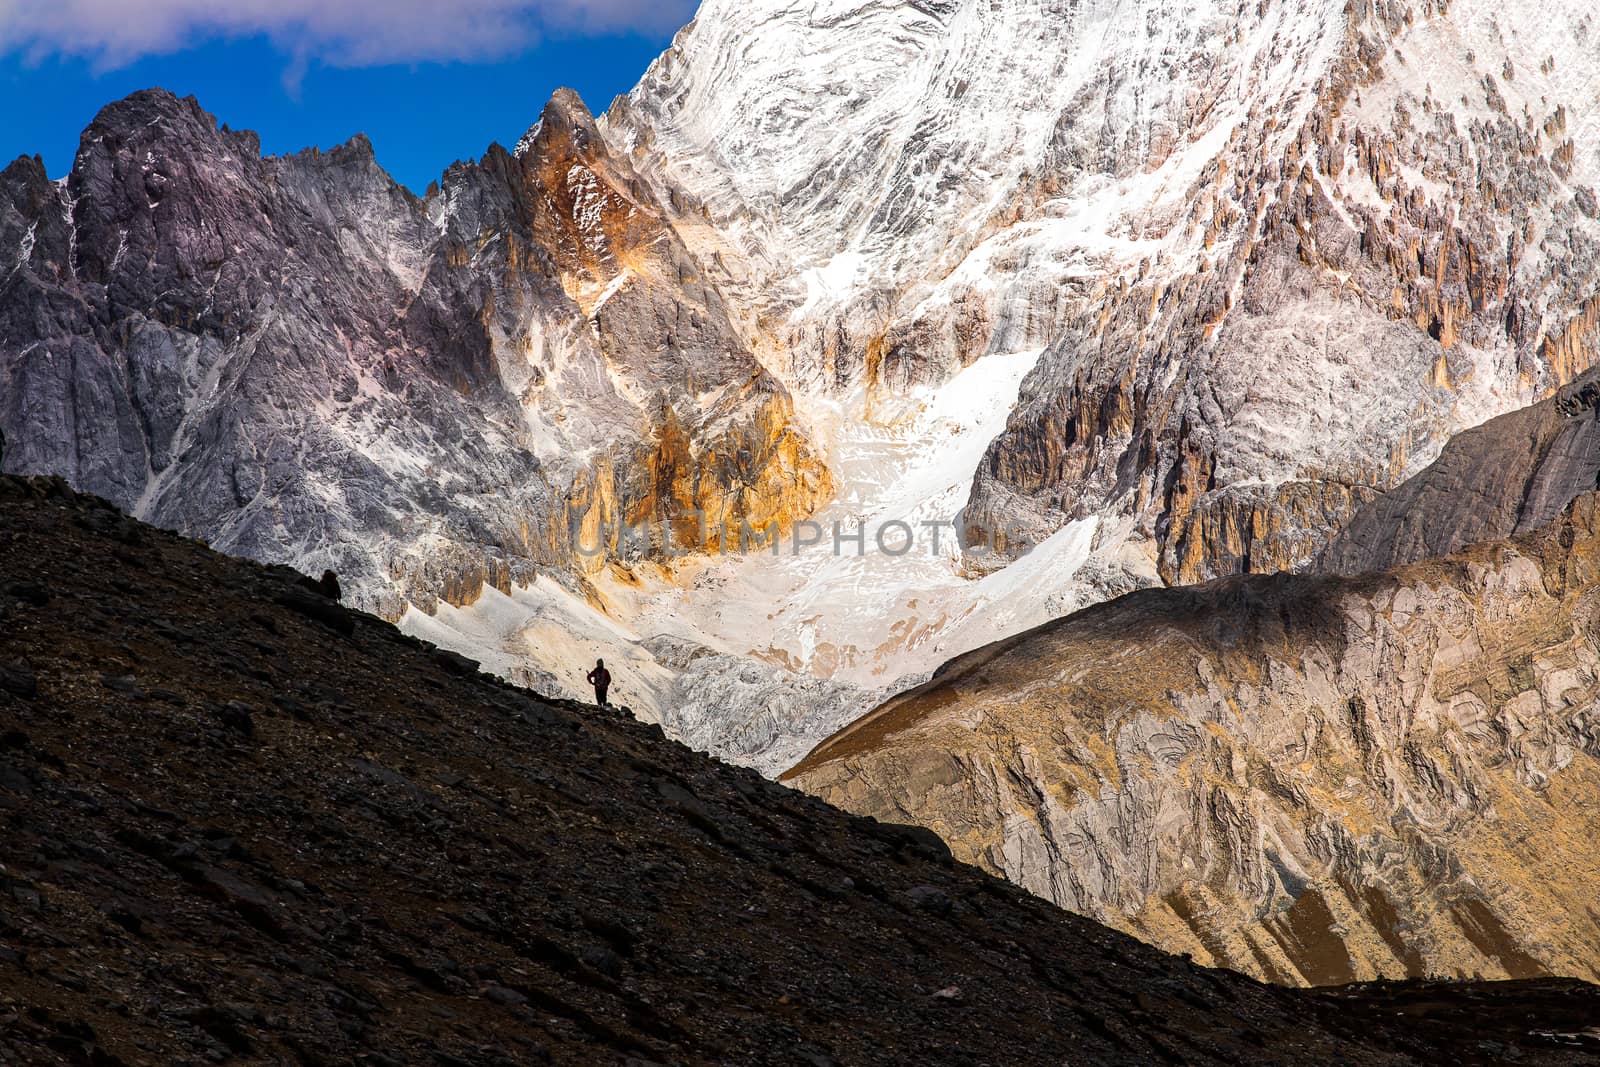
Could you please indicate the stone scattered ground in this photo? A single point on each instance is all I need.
(241, 824)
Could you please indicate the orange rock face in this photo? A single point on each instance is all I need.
(667, 430)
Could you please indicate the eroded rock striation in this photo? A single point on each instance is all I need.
(1311, 779)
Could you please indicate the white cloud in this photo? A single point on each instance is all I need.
(340, 32)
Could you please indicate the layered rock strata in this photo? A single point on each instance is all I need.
(1310, 779)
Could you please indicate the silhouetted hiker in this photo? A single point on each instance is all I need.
(327, 585)
(2, 446)
(601, 679)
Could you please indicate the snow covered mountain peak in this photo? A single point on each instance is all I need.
(905, 180)
(1167, 290)
(1271, 252)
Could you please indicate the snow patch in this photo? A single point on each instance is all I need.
(545, 636)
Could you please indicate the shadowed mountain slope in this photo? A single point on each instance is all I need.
(241, 823)
(1510, 475)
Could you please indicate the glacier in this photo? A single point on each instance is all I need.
(963, 233)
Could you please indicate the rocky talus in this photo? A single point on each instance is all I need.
(1311, 779)
(245, 824)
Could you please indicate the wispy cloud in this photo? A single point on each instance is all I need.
(338, 32)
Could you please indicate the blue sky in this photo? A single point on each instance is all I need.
(424, 98)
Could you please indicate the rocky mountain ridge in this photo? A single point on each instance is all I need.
(299, 360)
(1418, 257)
(243, 823)
(1262, 263)
(1311, 779)
(1512, 475)
(1393, 207)
(1216, 274)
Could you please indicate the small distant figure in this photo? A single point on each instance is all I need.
(329, 586)
(600, 678)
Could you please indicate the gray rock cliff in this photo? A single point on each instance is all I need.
(297, 360)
